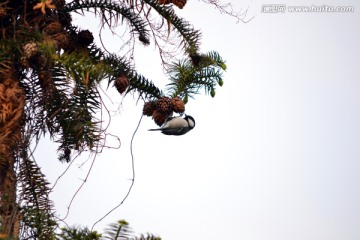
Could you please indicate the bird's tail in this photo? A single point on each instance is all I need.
(155, 129)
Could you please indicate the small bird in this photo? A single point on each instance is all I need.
(177, 125)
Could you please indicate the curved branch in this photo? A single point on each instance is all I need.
(191, 37)
(111, 11)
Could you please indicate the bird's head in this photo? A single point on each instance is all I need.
(190, 120)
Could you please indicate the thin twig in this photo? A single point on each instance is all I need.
(61, 175)
(80, 187)
(132, 180)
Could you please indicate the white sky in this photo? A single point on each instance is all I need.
(274, 156)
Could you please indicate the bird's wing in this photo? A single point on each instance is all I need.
(177, 131)
(177, 122)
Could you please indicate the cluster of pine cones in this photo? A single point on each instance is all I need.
(159, 110)
(163, 108)
(54, 36)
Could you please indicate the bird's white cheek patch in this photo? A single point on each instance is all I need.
(191, 124)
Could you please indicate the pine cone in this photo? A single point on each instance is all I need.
(179, 3)
(212, 92)
(149, 108)
(45, 76)
(53, 28)
(65, 18)
(121, 84)
(159, 117)
(178, 105)
(62, 40)
(24, 62)
(85, 38)
(30, 50)
(164, 1)
(144, 40)
(165, 105)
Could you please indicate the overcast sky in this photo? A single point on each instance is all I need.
(274, 156)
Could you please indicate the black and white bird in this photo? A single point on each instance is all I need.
(177, 125)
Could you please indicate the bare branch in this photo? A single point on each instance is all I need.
(227, 8)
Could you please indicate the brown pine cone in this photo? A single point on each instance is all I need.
(164, 105)
(30, 50)
(85, 38)
(53, 28)
(164, 1)
(121, 84)
(65, 18)
(45, 76)
(159, 117)
(178, 105)
(62, 40)
(24, 62)
(149, 108)
(179, 3)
